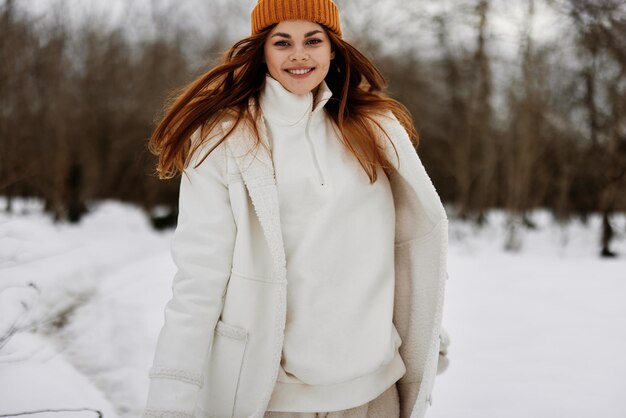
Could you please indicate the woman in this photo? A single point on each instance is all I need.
(310, 243)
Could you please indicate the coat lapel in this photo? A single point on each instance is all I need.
(257, 170)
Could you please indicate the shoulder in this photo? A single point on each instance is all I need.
(209, 135)
(388, 122)
(208, 150)
(391, 133)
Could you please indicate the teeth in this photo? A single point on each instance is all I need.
(300, 72)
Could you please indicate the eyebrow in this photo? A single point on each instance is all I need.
(306, 35)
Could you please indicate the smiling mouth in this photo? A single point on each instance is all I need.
(300, 72)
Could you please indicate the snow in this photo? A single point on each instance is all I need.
(106, 280)
(535, 333)
(34, 377)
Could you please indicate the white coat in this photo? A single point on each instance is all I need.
(219, 350)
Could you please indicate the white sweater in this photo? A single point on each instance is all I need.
(341, 346)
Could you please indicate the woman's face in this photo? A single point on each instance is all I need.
(298, 54)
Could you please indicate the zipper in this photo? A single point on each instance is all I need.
(312, 148)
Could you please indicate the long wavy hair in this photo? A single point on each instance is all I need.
(358, 89)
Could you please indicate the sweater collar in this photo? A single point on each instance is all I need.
(283, 107)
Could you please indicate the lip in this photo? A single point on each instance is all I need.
(300, 76)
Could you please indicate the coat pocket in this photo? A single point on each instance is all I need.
(218, 394)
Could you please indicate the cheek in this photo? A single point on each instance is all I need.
(270, 59)
(275, 62)
(325, 56)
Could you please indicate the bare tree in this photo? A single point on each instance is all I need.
(601, 29)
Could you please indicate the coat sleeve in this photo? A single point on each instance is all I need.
(202, 248)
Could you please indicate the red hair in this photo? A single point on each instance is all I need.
(224, 91)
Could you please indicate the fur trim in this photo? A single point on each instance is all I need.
(424, 395)
(279, 327)
(230, 331)
(411, 170)
(261, 184)
(178, 374)
(157, 413)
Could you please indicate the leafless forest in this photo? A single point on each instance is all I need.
(537, 123)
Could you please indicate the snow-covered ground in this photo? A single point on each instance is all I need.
(537, 333)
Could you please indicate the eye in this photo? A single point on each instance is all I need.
(314, 41)
(281, 43)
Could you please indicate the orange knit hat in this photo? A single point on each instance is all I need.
(268, 12)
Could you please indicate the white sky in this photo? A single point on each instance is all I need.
(401, 26)
(506, 17)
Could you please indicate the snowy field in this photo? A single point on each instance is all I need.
(540, 333)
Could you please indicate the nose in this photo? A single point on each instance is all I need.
(299, 54)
